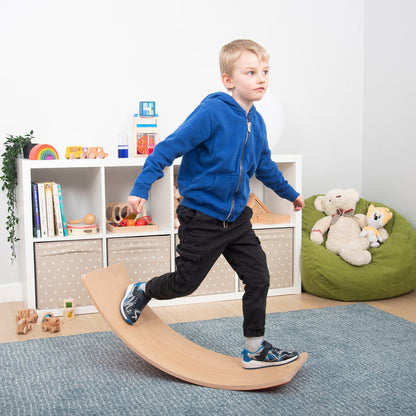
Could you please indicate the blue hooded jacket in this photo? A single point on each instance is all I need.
(222, 148)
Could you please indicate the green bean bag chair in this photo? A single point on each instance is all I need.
(392, 271)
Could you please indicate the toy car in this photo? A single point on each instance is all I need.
(51, 324)
(30, 314)
(23, 326)
(96, 153)
(75, 152)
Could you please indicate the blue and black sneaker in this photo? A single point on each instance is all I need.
(133, 303)
(267, 356)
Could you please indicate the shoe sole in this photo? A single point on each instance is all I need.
(253, 364)
(126, 294)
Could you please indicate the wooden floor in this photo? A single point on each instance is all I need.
(402, 306)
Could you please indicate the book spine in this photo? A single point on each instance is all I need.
(57, 211)
(61, 204)
(35, 210)
(42, 210)
(49, 209)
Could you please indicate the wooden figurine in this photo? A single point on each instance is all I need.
(24, 319)
(50, 322)
(262, 214)
(30, 314)
(23, 326)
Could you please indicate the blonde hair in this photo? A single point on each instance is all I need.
(232, 51)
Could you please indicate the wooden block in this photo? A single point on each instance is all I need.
(273, 219)
(257, 205)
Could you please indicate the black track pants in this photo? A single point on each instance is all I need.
(202, 240)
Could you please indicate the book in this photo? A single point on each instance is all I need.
(35, 211)
(59, 230)
(61, 204)
(42, 209)
(49, 209)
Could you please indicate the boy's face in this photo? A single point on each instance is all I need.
(249, 79)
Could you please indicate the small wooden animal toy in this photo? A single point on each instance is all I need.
(30, 314)
(23, 326)
(51, 323)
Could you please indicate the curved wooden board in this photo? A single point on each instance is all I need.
(157, 343)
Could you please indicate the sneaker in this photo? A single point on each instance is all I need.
(133, 303)
(267, 356)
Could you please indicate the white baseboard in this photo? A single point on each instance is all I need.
(10, 292)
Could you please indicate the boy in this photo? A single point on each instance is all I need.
(223, 143)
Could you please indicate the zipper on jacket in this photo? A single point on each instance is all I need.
(241, 168)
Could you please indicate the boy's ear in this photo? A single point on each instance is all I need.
(227, 81)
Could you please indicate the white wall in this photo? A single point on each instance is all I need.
(320, 86)
(389, 138)
(75, 72)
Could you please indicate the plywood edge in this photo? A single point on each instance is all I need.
(157, 343)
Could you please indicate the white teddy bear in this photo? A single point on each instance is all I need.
(343, 226)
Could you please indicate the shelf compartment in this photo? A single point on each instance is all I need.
(278, 246)
(58, 270)
(144, 257)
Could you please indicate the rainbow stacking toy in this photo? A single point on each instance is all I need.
(43, 152)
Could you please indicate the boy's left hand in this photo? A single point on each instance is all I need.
(299, 203)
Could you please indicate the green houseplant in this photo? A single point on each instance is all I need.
(13, 148)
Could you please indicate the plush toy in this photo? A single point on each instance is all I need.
(343, 226)
(377, 218)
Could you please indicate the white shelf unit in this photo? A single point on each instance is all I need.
(88, 185)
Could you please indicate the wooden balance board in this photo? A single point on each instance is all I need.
(157, 343)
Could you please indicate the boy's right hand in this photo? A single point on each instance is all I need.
(135, 204)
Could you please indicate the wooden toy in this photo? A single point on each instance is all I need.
(50, 322)
(43, 152)
(117, 211)
(82, 229)
(75, 152)
(30, 314)
(145, 129)
(262, 214)
(147, 108)
(156, 342)
(79, 152)
(84, 226)
(119, 220)
(119, 228)
(68, 314)
(89, 219)
(51, 325)
(45, 315)
(24, 319)
(96, 153)
(23, 326)
(68, 311)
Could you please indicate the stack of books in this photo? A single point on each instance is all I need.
(48, 210)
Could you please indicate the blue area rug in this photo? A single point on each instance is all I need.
(362, 361)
